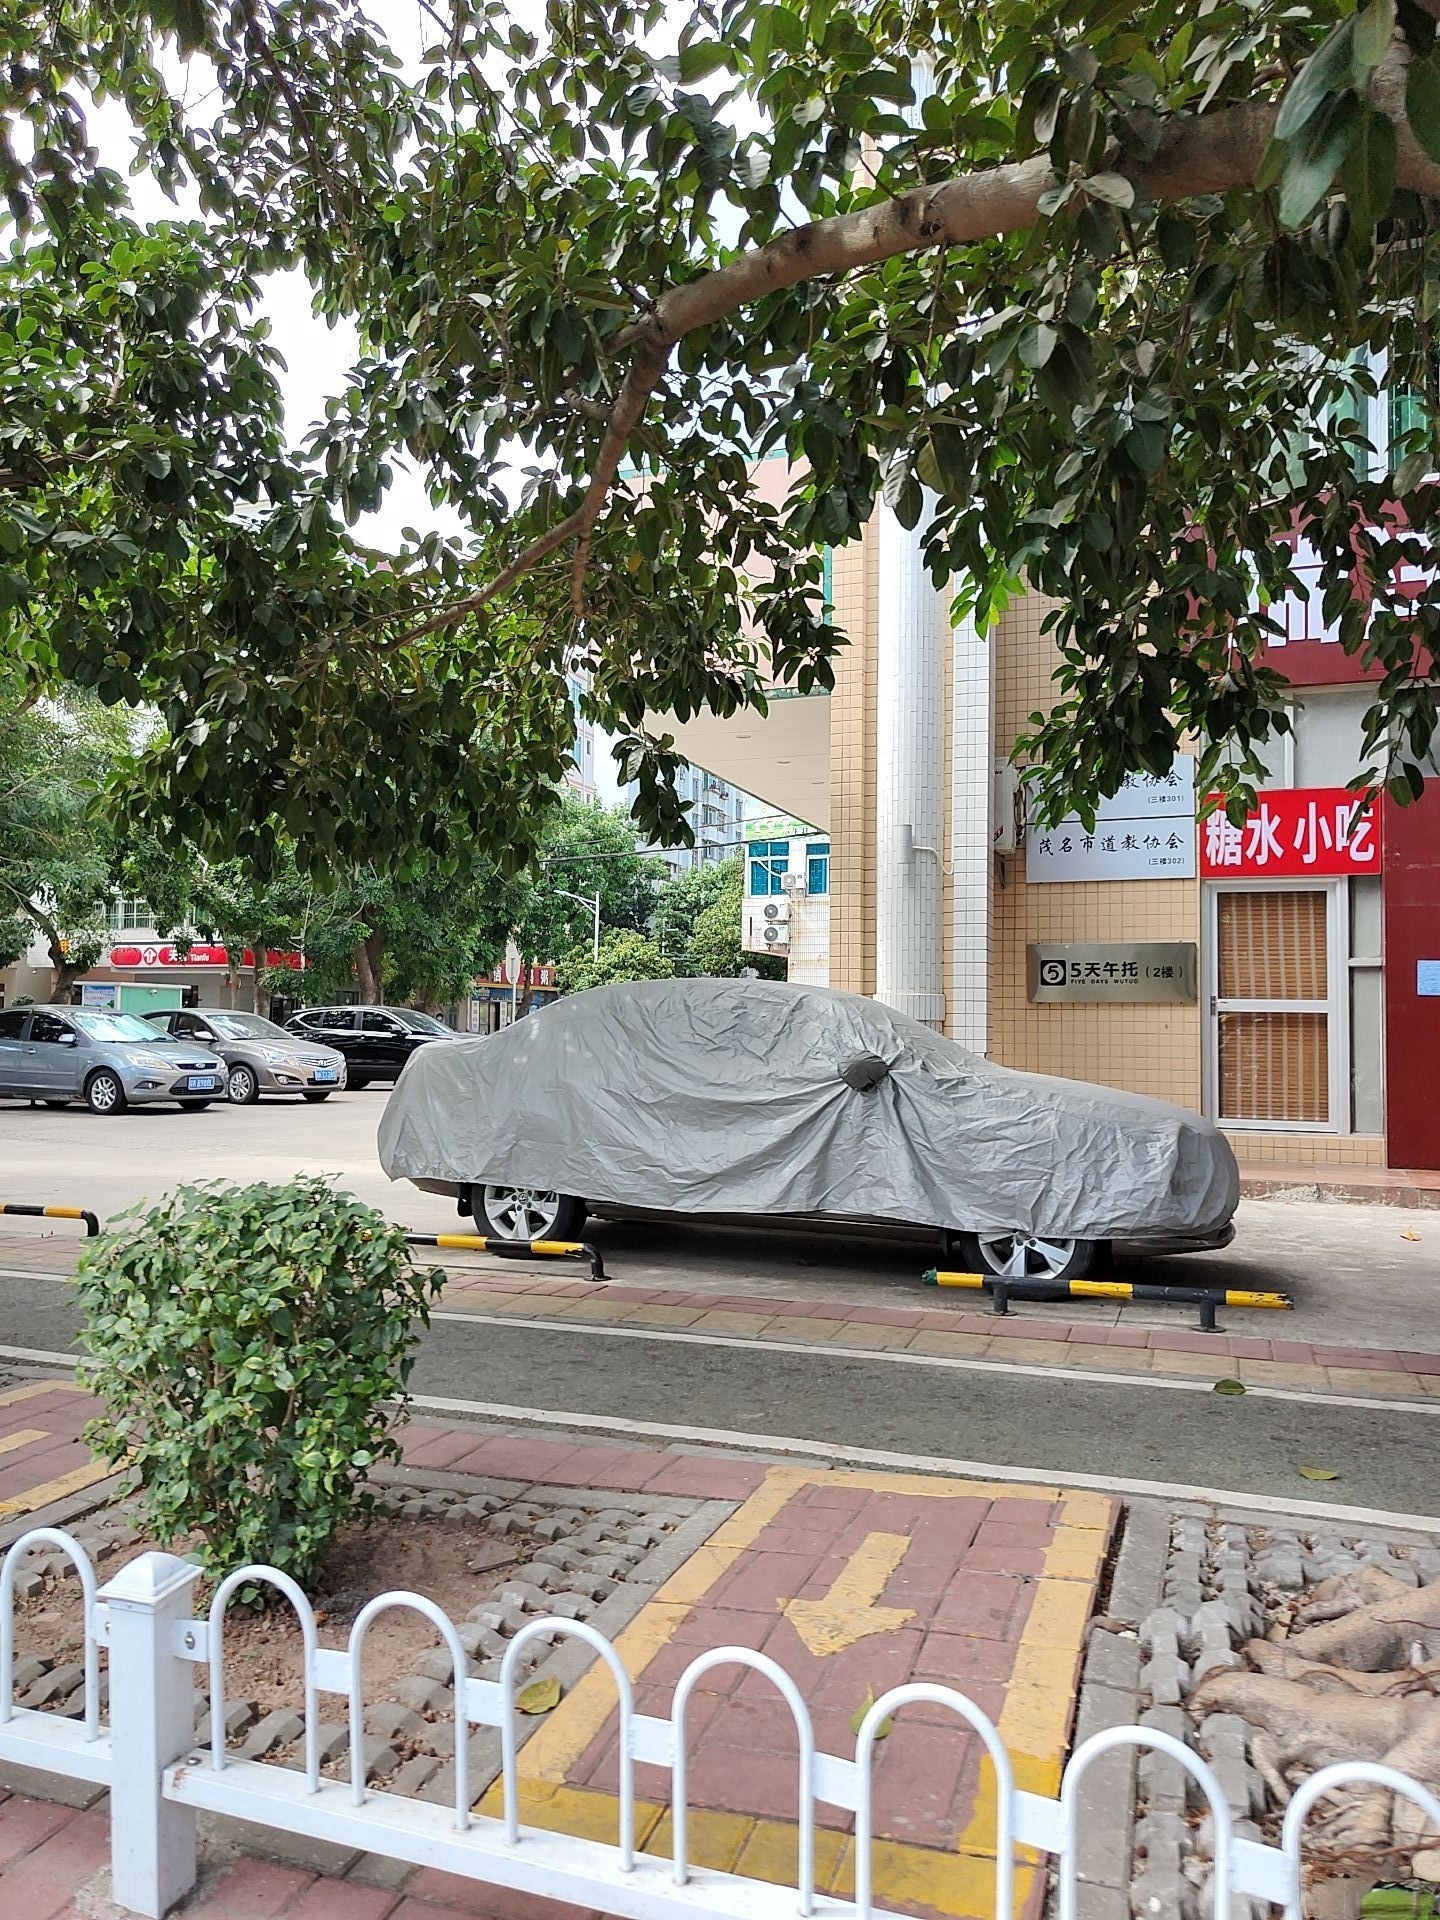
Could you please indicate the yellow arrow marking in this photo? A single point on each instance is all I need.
(850, 1611)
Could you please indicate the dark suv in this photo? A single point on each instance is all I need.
(376, 1041)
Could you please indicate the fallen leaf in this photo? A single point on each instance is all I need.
(1228, 1386)
(857, 1719)
(539, 1697)
(1408, 1235)
(1317, 1473)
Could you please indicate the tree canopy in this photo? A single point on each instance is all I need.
(1088, 292)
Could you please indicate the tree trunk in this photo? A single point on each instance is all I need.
(259, 992)
(369, 959)
(64, 971)
(526, 990)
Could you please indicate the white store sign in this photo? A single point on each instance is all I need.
(1146, 831)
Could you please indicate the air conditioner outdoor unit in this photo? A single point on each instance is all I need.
(778, 910)
(1005, 808)
(777, 936)
(794, 883)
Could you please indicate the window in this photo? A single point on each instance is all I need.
(12, 1024)
(769, 863)
(334, 1017)
(128, 914)
(49, 1030)
(378, 1023)
(817, 868)
(1273, 1014)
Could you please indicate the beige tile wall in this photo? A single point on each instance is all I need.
(1153, 1049)
(852, 771)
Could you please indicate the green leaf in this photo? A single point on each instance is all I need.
(1037, 343)
(1368, 175)
(1325, 72)
(1422, 100)
(541, 1696)
(1312, 163)
(1317, 1473)
(1228, 1386)
(1113, 188)
(1374, 24)
(857, 1718)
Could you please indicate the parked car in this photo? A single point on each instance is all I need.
(748, 1100)
(262, 1057)
(376, 1041)
(109, 1060)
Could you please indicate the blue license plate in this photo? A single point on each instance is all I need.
(200, 1083)
(324, 1073)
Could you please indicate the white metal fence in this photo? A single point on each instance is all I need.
(158, 1782)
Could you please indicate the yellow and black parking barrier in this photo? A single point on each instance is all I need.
(1003, 1290)
(516, 1249)
(92, 1223)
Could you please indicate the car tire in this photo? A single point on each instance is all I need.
(1013, 1256)
(196, 1106)
(316, 1098)
(353, 1085)
(244, 1087)
(509, 1212)
(104, 1093)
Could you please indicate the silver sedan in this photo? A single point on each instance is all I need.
(262, 1057)
(109, 1060)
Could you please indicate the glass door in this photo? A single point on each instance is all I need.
(1277, 1028)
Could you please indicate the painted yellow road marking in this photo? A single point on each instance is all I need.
(851, 1610)
(26, 1437)
(49, 1490)
(36, 1387)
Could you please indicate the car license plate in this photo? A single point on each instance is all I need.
(324, 1073)
(200, 1083)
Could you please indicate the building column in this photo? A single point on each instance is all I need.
(913, 633)
(972, 786)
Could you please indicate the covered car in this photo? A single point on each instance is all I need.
(759, 1100)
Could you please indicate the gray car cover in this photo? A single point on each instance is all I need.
(757, 1097)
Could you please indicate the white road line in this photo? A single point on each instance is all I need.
(764, 1443)
(39, 1357)
(955, 1362)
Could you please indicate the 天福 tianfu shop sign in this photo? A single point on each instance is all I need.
(198, 955)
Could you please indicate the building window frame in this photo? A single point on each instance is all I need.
(767, 863)
(1336, 1005)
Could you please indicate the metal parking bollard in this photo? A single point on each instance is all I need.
(92, 1221)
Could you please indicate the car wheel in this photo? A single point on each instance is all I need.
(316, 1098)
(1019, 1256)
(244, 1088)
(104, 1093)
(195, 1106)
(354, 1085)
(529, 1213)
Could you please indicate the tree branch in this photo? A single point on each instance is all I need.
(1217, 153)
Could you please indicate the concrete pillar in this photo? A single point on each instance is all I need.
(972, 761)
(913, 634)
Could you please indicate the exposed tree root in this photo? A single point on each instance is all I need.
(1357, 1678)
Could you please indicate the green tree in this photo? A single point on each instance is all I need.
(1082, 300)
(586, 850)
(681, 902)
(622, 956)
(714, 945)
(58, 852)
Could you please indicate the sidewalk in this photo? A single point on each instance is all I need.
(853, 1581)
(1373, 1186)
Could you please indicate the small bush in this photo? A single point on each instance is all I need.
(250, 1345)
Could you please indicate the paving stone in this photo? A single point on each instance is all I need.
(380, 1757)
(29, 1583)
(1221, 1738)
(58, 1684)
(419, 1769)
(572, 1606)
(412, 1509)
(610, 1565)
(1191, 1535)
(495, 1556)
(524, 1595)
(645, 1535)
(1381, 1557)
(1140, 1564)
(1165, 1676)
(507, 1521)
(1426, 1562)
(558, 1553)
(493, 1621)
(333, 1738)
(424, 1694)
(1164, 1786)
(29, 1668)
(481, 1505)
(1112, 1660)
(1236, 1618)
(394, 1720)
(277, 1729)
(1281, 1568)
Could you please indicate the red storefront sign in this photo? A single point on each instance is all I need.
(200, 955)
(1295, 833)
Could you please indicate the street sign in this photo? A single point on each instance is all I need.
(1146, 831)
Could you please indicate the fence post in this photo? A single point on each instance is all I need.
(152, 1725)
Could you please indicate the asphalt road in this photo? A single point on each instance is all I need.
(1356, 1278)
(686, 1390)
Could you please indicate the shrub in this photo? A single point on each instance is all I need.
(250, 1345)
